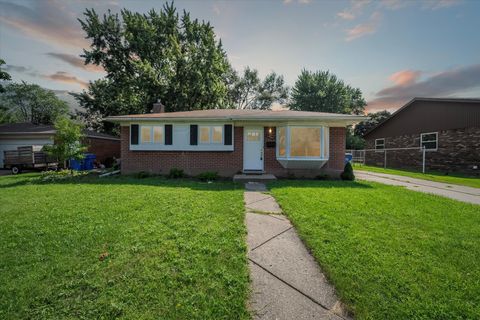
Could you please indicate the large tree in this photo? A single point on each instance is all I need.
(324, 92)
(250, 92)
(23, 102)
(373, 119)
(4, 76)
(158, 55)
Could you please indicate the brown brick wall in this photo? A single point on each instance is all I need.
(458, 151)
(226, 163)
(103, 148)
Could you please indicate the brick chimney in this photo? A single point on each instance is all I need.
(158, 107)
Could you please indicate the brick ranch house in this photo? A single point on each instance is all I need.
(230, 141)
(449, 129)
(15, 135)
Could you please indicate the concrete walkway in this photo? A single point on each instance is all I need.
(456, 192)
(287, 283)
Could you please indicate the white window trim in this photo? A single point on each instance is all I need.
(152, 139)
(323, 153)
(378, 144)
(436, 140)
(210, 136)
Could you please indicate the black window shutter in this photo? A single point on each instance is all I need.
(134, 134)
(227, 132)
(168, 134)
(193, 134)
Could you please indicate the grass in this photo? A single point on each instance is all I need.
(391, 253)
(452, 178)
(122, 248)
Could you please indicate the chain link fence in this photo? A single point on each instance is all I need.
(390, 157)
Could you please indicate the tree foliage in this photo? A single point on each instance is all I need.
(324, 92)
(373, 120)
(23, 102)
(68, 141)
(249, 92)
(158, 55)
(4, 76)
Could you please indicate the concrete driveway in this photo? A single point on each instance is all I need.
(452, 191)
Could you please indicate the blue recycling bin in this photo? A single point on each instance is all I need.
(75, 164)
(88, 161)
(84, 164)
(348, 157)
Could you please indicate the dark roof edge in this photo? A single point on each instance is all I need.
(468, 100)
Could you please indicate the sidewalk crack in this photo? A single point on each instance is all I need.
(296, 289)
(261, 244)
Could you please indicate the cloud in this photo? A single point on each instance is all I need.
(12, 68)
(76, 61)
(405, 77)
(356, 8)
(440, 4)
(447, 83)
(395, 4)
(363, 29)
(297, 1)
(21, 69)
(65, 77)
(48, 21)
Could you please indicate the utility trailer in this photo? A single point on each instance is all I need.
(28, 157)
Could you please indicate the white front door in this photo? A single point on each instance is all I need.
(253, 149)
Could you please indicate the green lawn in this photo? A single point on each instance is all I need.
(122, 247)
(391, 253)
(432, 176)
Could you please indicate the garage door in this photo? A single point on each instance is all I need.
(12, 144)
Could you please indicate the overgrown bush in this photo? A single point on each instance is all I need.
(347, 173)
(176, 173)
(61, 175)
(208, 176)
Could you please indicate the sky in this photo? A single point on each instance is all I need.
(392, 50)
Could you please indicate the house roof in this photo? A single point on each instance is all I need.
(411, 102)
(26, 128)
(237, 115)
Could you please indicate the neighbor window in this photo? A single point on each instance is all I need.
(429, 141)
(151, 134)
(282, 143)
(211, 134)
(305, 142)
(380, 144)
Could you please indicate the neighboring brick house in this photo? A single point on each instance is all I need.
(15, 135)
(229, 141)
(449, 129)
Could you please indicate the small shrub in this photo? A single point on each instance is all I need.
(347, 173)
(208, 176)
(61, 175)
(323, 176)
(291, 176)
(176, 173)
(142, 175)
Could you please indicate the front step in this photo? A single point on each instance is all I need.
(265, 177)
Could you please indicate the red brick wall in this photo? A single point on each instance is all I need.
(226, 163)
(336, 160)
(103, 148)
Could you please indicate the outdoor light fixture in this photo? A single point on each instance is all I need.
(270, 130)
